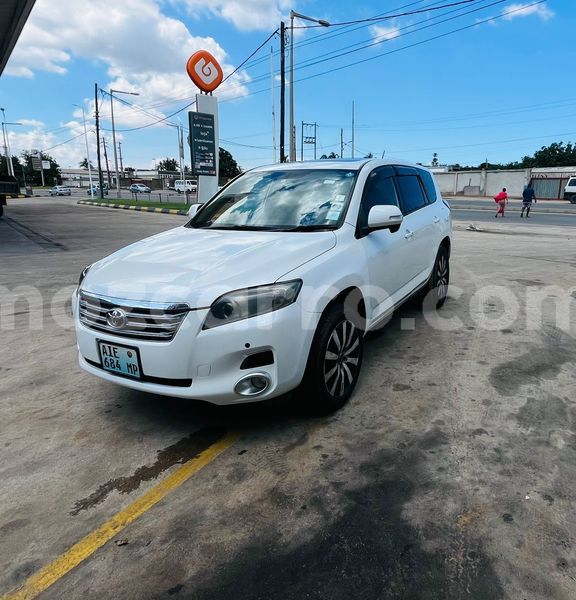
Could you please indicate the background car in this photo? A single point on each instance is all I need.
(96, 189)
(60, 190)
(186, 185)
(139, 188)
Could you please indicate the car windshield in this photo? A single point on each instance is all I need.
(291, 200)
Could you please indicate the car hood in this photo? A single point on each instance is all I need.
(198, 265)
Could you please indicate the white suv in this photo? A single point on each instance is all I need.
(270, 287)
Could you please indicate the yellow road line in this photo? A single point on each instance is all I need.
(80, 551)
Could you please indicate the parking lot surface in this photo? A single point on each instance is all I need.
(451, 474)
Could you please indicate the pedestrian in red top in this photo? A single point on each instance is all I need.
(501, 198)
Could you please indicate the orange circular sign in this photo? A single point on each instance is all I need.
(204, 70)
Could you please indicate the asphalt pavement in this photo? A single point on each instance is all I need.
(450, 475)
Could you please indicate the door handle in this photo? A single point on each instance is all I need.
(436, 219)
(409, 234)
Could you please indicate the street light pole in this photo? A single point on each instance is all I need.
(112, 92)
(7, 152)
(293, 15)
(87, 151)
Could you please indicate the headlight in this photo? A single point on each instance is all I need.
(83, 275)
(250, 302)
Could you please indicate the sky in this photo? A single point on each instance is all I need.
(469, 80)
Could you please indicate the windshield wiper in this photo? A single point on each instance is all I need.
(243, 227)
(309, 228)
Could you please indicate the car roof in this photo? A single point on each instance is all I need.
(354, 164)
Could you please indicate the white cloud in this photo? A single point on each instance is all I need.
(526, 10)
(142, 48)
(246, 15)
(38, 138)
(381, 33)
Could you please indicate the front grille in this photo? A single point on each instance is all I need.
(143, 320)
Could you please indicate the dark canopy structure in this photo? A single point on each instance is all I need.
(13, 16)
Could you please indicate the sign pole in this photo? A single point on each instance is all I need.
(205, 72)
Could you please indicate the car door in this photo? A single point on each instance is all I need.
(383, 249)
(421, 229)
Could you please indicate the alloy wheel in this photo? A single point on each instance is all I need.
(342, 358)
(442, 276)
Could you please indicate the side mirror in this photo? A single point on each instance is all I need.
(384, 217)
(194, 209)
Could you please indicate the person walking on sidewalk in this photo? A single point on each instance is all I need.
(527, 196)
(501, 198)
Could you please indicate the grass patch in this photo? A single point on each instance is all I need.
(123, 202)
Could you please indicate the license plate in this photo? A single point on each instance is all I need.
(123, 360)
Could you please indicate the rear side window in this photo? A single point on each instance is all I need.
(411, 194)
(429, 186)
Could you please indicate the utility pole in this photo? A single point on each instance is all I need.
(7, 153)
(308, 137)
(112, 92)
(282, 88)
(107, 167)
(273, 104)
(115, 153)
(100, 179)
(181, 149)
(341, 142)
(352, 128)
(87, 153)
(120, 157)
(8, 162)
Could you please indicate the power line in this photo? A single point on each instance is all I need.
(327, 34)
(508, 141)
(337, 53)
(251, 55)
(419, 43)
(378, 19)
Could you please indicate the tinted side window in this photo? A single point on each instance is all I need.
(379, 190)
(429, 186)
(411, 193)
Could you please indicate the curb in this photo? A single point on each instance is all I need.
(139, 208)
(549, 211)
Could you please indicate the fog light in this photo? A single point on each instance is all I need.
(252, 385)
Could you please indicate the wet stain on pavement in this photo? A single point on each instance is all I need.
(178, 453)
(367, 550)
(12, 526)
(401, 387)
(538, 412)
(528, 369)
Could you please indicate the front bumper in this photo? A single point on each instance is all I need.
(211, 358)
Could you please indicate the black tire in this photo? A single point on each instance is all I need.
(334, 363)
(437, 289)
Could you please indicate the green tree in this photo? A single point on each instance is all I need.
(52, 175)
(228, 167)
(18, 172)
(329, 156)
(168, 164)
(557, 154)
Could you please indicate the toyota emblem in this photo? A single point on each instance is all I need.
(116, 318)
